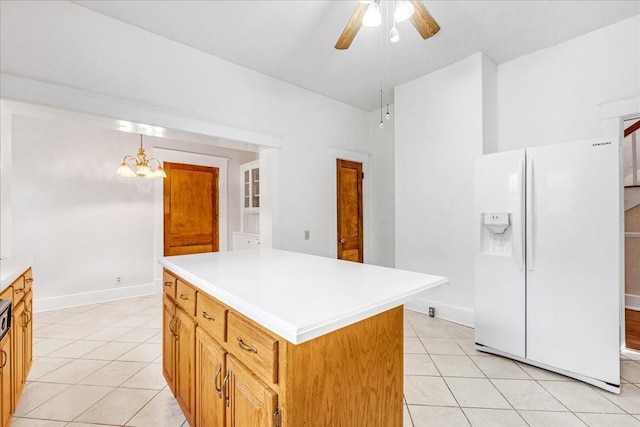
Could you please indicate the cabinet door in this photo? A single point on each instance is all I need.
(28, 334)
(185, 364)
(18, 350)
(210, 371)
(169, 343)
(250, 401)
(6, 394)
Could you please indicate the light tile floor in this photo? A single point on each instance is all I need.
(100, 365)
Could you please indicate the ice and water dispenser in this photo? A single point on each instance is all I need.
(496, 237)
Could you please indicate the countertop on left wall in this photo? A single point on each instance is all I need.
(11, 269)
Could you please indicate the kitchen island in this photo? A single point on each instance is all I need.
(274, 338)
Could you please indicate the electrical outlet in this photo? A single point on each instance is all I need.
(118, 280)
(306, 234)
(432, 312)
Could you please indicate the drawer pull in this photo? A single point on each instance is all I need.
(4, 359)
(19, 291)
(167, 284)
(243, 346)
(30, 280)
(215, 380)
(208, 316)
(184, 297)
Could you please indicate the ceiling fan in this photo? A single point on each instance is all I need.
(368, 14)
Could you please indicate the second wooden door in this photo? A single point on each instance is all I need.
(190, 209)
(349, 202)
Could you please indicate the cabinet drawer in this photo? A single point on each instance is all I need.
(169, 284)
(186, 297)
(254, 347)
(212, 317)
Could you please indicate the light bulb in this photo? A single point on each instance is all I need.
(394, 35)
(381, 125)
(388, 115)
(372, 17)
(404, 10)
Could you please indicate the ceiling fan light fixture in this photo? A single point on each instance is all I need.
(404, 10)
(372, 17)
(394, 35)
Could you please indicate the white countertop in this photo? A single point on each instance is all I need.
(297, 296)
(11, 269)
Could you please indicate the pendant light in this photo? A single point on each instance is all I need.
(140, 166)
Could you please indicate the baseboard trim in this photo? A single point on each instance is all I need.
(83, 298)
(452, 313)
(632, 302)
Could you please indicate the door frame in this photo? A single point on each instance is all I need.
(612, 116)
(353, 156)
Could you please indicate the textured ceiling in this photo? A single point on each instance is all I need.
(293, 40)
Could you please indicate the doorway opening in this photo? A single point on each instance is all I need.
(631, 174)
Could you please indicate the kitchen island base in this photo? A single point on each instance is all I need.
(239, 373)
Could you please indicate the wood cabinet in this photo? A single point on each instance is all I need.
(211, 370)
(6, 391)
(250, 178)
(178, 342)
(169, 342)
(16, 349)
(245, 375)
(185, 363)
(250, 401)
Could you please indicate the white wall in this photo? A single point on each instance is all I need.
(83, 224)
(86, 50)
(5, 181)
(77, 48)
(553, 95)
(381, 184)
(440, 127)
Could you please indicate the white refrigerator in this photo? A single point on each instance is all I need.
(549, 258)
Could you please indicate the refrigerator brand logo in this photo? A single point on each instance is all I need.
(601, 143)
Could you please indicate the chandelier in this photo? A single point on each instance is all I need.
(139, 165)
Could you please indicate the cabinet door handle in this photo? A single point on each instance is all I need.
(4, 359)
(20, 290)
(172, 326)
(208, 316)
(184, 297)
(167, 284)
(341, 241)
(243, 346)
(224, 387)
(215, 380)
(29, 280)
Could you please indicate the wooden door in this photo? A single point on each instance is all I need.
(6, 393)
(190, 209)
(349, 202)
(185, 329)
(169, 343)
(210, 371)
(251, 402)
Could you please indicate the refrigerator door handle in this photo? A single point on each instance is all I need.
(519, 231)
(529, 215)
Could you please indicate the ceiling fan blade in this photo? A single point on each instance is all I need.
(423, 21)
(352, 27)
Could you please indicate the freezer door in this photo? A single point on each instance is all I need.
(500, 268)
(574, 257)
